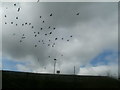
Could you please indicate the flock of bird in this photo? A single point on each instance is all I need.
(51, 30)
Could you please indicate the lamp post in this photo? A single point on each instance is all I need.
(54, 65)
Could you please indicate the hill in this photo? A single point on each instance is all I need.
(21, 80)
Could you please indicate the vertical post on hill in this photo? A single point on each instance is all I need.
(74, 70)
(54, 65)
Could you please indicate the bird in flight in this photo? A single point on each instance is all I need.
(51, 14)
(15, 4)
(77, 13)
(18, 9)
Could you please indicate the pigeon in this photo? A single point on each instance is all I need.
(71, 36)
(38, 32)
(41, 28)
(62, 38)
(29, 23)
(55, 38)
(11, 22)
(68, 40)
(40, 16)
(48, 44)
(5, 16)
(51, 14)
(5, 22)
(49, 27)
(77, 13)
(45, 34)
(43, 21)
(32, 26)
(18, 9)
(20, 40)
(15, 4)
(26, 23)
(54, 28)
(23, 37)
(35, 45)
(55, 59)
(16, 17)
(50, 32)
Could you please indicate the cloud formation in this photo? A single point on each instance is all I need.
(94, 31)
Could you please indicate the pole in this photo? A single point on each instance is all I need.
(54, 65)
(74, 70)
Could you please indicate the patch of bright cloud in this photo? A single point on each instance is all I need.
(100, 70)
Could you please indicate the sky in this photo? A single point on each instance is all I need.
(92, 49)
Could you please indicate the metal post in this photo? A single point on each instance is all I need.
(74, 70)
(54, 65)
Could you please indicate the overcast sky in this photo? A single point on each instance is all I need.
(92, 49)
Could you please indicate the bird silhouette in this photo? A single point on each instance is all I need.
(16, 17)
(15, 4)
(50, 32)
(49, 27)
(32, 26)
(35, 45)
(20, 40)
(18, 9)
(55, 38)
(5, 16)
(77, 13)
(48, 44)
(26, 23)
(41, 28)
(11, 22)
(29, 23)
(55, 59)
(40, 16)
(51, 14)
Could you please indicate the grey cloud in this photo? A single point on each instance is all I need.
(94, 31)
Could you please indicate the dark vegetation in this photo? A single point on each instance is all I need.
(32, 80)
